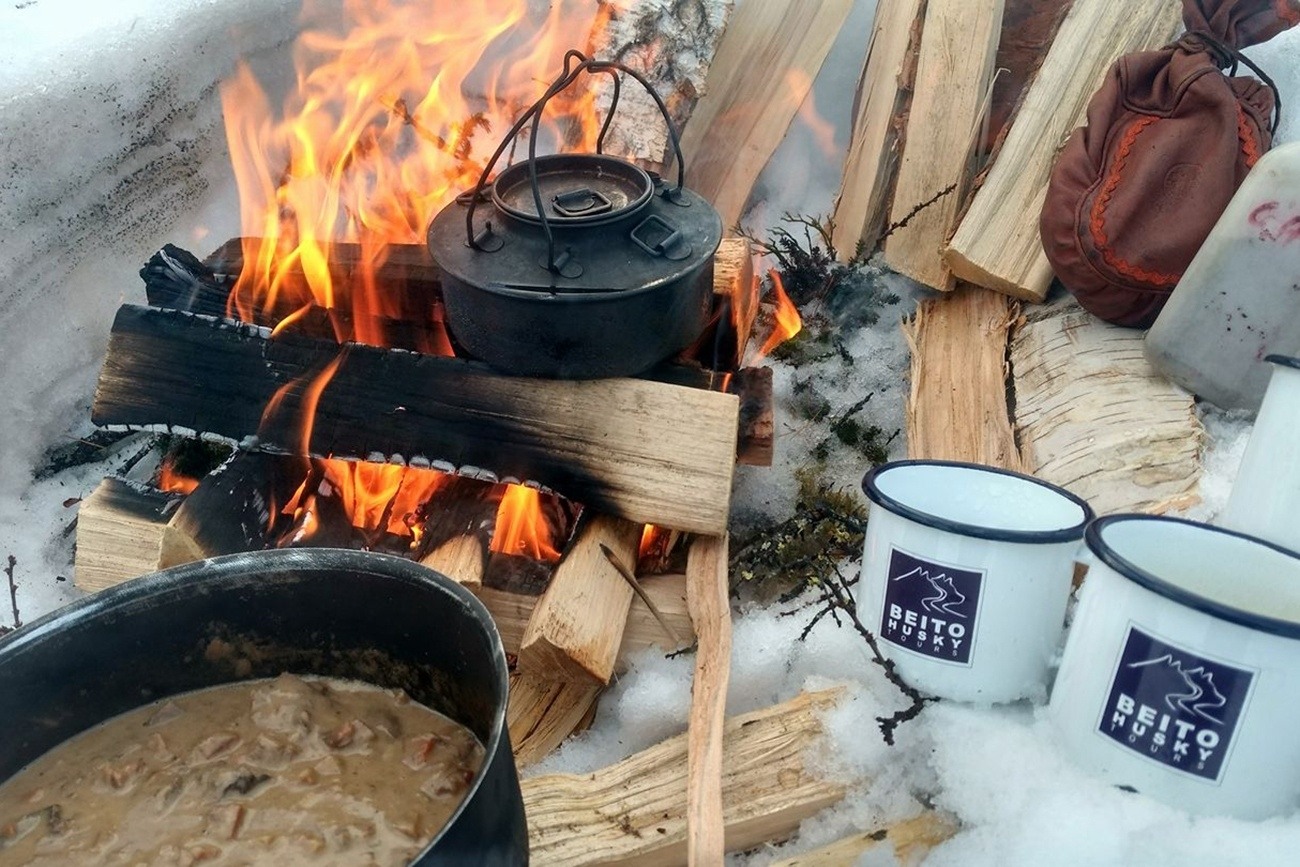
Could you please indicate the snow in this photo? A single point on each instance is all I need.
(111, 145)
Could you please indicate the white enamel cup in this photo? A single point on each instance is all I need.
(1181, 674)
(966, 576)
(1265, 500)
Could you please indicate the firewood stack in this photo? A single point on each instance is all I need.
(961, 110)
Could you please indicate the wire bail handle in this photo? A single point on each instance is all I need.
(568, 75)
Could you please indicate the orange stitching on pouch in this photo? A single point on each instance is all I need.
(1249, 145)
(1097, 222)
(1288, 13)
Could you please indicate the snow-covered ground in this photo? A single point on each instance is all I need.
(110, 145)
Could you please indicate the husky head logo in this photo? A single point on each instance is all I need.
(1173, 706)
(931, 608)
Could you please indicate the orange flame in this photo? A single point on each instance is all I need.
(169, 479)
(392, 110)
(521, 527)
(787, 321)
(376, 497)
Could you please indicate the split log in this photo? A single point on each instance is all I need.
(735, 293)
(757, 416)
(542, 713)
(120, 531)
(635, 813)
(1097, 419)
(883, 88)
(909, 842)
(672, 45)
(647, 451)
(957, 407)
(953, 70)
(462, 559)
(761, 74)
(577, 627)
(707, 599)
(997, 244)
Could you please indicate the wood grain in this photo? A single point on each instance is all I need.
(954, 66)
(707, 598)
(909, 841)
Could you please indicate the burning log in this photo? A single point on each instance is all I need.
(577, 627)
(757, 416)
(647, 451)
(635, 812)
(869, 166)
(761, 74)
(462, 559)
(957, 408)
(997, 244)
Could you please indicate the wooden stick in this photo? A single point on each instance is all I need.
(761, 74)
(1097, 419)
(910, 841)
(462, 559)
(869, 166)
(954, 69)
(577, 627)
(957, 408)
(635, 812)
(997, 244)
(632, 582)
(651, 452)
(707, 598)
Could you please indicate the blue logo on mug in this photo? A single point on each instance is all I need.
(930, 608)
(1173, 706)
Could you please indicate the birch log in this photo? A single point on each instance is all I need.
(672, 44)
(954, 66)
(764, 68)
(863, 199)
(957, 408)
(1097, 419)
(997, 244)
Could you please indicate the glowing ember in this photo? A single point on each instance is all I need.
(787, 322)
(381, 132)
(169, 479)
(521, 528)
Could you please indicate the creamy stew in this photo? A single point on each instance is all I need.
(282, 772)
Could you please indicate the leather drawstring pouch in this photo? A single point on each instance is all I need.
(1168, 139)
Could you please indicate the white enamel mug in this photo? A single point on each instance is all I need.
(1181, 674)
(966, 576)
(1265, 500)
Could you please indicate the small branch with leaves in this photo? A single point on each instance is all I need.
(835, 600)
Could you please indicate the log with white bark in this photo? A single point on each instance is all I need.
(997, 244)
(1096, 418)
(954, 68)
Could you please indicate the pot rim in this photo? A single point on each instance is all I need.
(1161, 587)
(193, 578)
(1073, 533)
(1283, 360)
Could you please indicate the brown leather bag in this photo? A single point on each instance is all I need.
(1168, 140)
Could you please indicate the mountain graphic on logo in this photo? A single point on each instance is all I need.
(1190, 691)
(946, 595)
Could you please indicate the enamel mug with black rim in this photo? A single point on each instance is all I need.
(966, 575)
(1181, 673)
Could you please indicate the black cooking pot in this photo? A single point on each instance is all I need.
(576, 265)
(345, 614)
